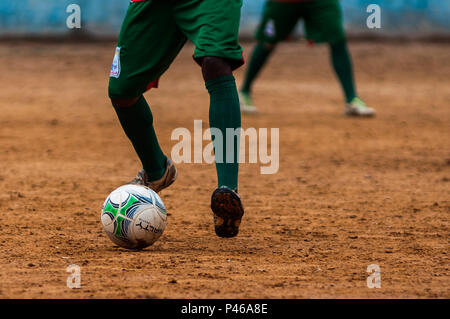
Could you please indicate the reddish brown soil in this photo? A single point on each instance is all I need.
(349, 192)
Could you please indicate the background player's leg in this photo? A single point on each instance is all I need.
(342, 64)
(223, 113)
(278, 21)
(137, 122)
(260, 54)
(323, 24)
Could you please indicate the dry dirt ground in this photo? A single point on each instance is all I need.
(349, 192)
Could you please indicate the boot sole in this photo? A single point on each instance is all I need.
(228, 212)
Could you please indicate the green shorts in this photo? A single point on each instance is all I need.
(154, 31)
(322, 18)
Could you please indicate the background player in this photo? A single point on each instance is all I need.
(152, 35)
(323, 23)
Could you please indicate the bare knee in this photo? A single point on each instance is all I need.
(214, 67)
(124, 103)
(269, 46)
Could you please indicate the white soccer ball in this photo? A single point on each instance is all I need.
(133, 216)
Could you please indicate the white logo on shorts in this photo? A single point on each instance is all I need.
(115, 68)
(270, 28)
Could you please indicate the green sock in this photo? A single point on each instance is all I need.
(137, 122)
(224, 113)
(257, 61)
(343, 66)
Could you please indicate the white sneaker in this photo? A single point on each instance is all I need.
(358, 108)
(246, 103)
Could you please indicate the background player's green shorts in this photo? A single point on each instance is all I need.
(154, 31)
(322, 19)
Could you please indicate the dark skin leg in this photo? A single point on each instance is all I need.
(269, 46)
(124, 103)
(212, 67)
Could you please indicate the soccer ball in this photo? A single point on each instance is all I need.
(133, 216)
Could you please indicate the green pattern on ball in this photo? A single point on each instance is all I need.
(120, 214)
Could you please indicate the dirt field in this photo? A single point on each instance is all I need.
(349, 192)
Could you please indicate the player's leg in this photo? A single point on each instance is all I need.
(213, 26)
(342, 65)
(223, 114)
(323, 21)
(259, 57)
(142, 55)
(278, 21)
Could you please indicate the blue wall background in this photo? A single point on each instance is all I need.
(103, 17)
